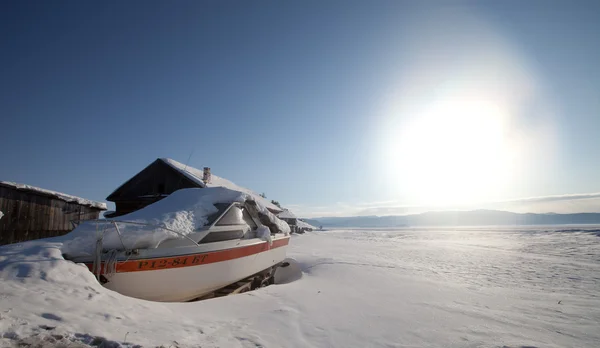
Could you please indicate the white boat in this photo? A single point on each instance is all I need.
(231, 247)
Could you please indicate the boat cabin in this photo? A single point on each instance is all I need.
(232, 221)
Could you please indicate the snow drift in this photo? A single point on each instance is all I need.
(360, 288)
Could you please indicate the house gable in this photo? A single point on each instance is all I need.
(156, 180)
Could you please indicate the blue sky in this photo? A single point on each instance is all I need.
(332, 108)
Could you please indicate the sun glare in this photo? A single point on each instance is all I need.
(465, 119)
(455, 152)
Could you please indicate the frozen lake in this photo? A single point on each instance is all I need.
(465, 287)
(563, 259)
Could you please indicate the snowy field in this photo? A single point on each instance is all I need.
(471, 287)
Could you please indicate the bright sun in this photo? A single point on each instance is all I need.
(455, 152)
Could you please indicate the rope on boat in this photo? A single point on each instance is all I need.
(151, 225)
(119, 234)
(111, 257)
(97, 266)
(110, 265)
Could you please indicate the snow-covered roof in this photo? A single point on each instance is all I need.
(286, 214)
(303, 224)
(54, 194)
(196, 175)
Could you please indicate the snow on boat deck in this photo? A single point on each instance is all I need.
(361, 288)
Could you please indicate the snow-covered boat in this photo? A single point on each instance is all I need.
(224, 237)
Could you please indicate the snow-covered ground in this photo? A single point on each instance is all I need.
(472, 287)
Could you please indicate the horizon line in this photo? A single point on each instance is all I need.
(446, 211)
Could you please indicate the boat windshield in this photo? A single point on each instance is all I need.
(221, 207)
(235, 216)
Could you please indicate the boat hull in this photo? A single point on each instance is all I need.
(185, 277)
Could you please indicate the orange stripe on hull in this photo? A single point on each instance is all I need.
(193, 259)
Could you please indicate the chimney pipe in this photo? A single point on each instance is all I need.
(206, 175)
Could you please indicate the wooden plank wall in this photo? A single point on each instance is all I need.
(28, 215)
(158, 178)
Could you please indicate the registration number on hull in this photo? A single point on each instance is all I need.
(174, 262)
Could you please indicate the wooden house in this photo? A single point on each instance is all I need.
(29, 212)
(288, 217)
(165, 176)
(296, 225)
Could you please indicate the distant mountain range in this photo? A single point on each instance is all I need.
(458, 218)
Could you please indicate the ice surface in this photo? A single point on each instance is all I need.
(59, 195)
(360, 288)
(183, 211)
